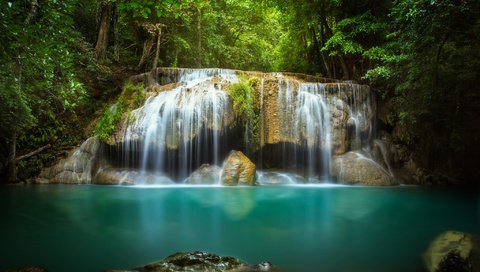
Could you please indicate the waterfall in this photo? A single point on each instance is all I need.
(309, 129)
(305, 120)
(188, 119)
(179, 129)
(307, 123)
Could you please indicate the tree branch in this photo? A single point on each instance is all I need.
(35, 152)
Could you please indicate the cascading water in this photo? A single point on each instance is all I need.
(177, 130)
(305, 121)
(306, 128)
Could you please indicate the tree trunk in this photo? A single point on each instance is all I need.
(147, 51)
(199, 38)
(103, 32)
(320, 54)
(324, 57)
(152, 77)
(157, 51)
(12, 165)
(116, 45)
(32, 13)
(33, 153)
(346, 74)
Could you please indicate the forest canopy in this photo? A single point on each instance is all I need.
(62, 61)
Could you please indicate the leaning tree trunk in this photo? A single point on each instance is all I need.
(11, 165)
(147, 51)
(103, 31)
(157, 51)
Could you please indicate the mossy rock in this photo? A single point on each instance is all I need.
(454, 251)
(200, 261)
(238, 170)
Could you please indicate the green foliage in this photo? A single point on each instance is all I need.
(428, 70)
(133, 96)
(228, 34)
(151, 9)
(39, 89)
(243, 96)
(109, 120)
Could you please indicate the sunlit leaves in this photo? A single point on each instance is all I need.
(40, 85)
(154, 9)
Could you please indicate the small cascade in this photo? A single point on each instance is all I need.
(177, 130)
(187, 75)
(361, 112)
(305, 120)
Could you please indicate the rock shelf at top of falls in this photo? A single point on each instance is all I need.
(189, 119)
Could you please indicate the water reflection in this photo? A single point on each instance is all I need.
(297, 228)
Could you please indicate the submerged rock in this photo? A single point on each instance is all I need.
(205, 174)
(354, 168)
(276, 178)
(453, 251)
(201, 261)
(113, 176)
(77, 168)
(238, 170)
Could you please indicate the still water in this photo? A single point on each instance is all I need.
(297, 228)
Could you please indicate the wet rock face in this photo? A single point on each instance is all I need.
(274, 178)
(238, 170)
(113, 176)
(77, 168)
(206, 174)
(354, 168)
(195, 261)
(453, 251)
(201, 261)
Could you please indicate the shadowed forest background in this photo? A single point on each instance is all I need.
(62, 63)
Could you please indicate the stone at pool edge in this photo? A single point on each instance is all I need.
(206, 174)
(453, 251)
(351, 169)
(200, 261)
(238, 170)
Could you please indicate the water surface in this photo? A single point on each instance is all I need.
(92, 228)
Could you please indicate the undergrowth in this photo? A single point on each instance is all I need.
(132, 97)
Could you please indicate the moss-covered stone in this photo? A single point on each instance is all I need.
(454, 251)
(205, 174)
(201, 261)
(238, 170)
(354, 168)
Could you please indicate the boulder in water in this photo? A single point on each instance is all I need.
(453, 251)
(276, 178)
(201, 261)
(113, 176)
(355, 168)
(238, 170)
(205, 174)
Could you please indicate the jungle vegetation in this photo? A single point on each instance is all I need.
(63, 63)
